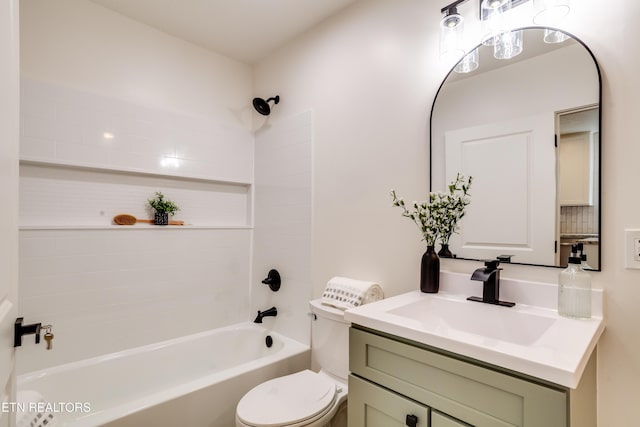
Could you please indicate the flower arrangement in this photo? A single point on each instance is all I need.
(162, 205)
(438, 217)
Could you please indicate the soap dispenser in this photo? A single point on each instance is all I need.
(583, 257)
(574, 289)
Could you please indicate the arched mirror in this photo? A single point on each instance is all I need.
(527, 130)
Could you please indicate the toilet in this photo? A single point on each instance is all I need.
(306, 398)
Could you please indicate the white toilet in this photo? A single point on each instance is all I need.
(306, 398)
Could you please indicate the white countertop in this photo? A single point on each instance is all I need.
(530, 338)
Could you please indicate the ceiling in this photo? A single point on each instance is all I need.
(245, 30)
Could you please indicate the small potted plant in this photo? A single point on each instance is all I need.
(163, 208)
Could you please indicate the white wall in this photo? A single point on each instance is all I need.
(371, 100)
(86, 70)
(371, 74)
(80, 44)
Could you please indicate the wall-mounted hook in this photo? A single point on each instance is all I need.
(19, 330)
(273, 280)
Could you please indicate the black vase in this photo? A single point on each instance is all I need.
(161, 218)
(444, 251)
(430, 271)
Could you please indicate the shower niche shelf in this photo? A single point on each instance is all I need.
(27, 161)
(61, 196)
(135, 227)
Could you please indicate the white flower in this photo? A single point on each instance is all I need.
(438, 217)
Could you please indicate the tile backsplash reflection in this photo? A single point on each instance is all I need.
(578, 220)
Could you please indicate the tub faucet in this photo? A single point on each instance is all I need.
(270, 312)
(490, 278)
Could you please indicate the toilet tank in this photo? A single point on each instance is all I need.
(329, 340)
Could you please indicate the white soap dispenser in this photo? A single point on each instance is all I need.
(574, 289)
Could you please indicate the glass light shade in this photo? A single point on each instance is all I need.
(451, 35)
(554, 36)
(470, 62)
(508, 45)
(493, 21)
(550, 12)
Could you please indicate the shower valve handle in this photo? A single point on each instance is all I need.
(273, 280)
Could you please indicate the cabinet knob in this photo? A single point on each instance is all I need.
(411, 420)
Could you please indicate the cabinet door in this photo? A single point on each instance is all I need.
(470, 393)
(442, 420)
(374, 406)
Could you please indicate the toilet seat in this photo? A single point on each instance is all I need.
(293, 400)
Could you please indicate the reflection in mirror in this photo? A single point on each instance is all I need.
(532, 197)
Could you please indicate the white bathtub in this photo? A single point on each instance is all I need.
(195, 380)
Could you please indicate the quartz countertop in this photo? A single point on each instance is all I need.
(530, 338)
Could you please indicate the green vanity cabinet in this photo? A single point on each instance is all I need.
(442, 420)
(379, 407)
(392, 378)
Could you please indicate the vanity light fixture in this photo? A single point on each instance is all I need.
(451, 31)
(492, 19)
(496, 30)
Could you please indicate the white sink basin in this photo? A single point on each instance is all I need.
(531, 339)
(444, 314)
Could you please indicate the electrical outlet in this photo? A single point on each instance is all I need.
(632, 248)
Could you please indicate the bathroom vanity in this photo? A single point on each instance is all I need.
(439, 360)
(394, 380)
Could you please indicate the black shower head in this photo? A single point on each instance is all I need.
(262, 106)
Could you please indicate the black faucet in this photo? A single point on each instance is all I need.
(490, 277)
(271, 312)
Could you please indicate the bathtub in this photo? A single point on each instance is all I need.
(195, 380)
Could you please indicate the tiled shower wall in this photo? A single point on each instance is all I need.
(68, 126)
(282, 235)
(105, 290)
(106, 287)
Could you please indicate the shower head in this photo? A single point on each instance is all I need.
(262, 106)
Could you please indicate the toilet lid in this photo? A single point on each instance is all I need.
(287, 400)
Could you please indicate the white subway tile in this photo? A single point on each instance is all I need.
(37, 148)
